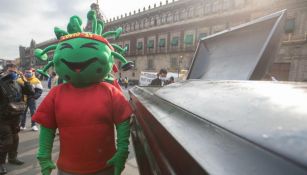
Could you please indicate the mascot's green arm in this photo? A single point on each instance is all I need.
(46, 138)
(121, 155)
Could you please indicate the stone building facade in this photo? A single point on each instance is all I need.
(165, 35)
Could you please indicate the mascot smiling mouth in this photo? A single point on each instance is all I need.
(79, 66)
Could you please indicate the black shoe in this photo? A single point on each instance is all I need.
(2, 170)
(16, 161)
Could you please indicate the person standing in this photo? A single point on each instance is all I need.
(126, 82)
(161, 76)
(31, 99)
(11, 107)
(170, 81)
(54, 81)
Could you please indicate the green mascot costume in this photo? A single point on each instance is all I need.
(86, 108)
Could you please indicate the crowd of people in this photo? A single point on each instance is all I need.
(18, 92)
(161, 79)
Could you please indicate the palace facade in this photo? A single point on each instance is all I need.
(165, 35)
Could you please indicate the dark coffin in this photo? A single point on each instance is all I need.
(221, 127)
(224, 127)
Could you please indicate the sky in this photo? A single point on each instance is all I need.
(21, 21)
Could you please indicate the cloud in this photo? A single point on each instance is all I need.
(21, 21)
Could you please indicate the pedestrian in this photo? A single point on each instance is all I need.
(126, 82)
(31, 99)
(120, 82)
(11, 107)
(55, 79)
(170, 81)
(161, 77)
(49, 81)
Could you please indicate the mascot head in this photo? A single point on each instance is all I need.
(84, 58)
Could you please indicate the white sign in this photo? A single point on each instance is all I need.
(147, 77)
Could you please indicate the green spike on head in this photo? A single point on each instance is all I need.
(115, 33)
(74, 25)
(59, 32)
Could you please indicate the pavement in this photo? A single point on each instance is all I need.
(28, 145)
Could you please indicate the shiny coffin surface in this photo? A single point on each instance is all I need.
(227, 127)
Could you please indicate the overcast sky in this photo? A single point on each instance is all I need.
(21, 21)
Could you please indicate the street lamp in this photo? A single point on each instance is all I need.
(179, 63)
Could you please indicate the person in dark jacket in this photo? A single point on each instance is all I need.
(161, 76)
(11, 107)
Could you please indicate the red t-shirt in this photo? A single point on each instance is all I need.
(85, 118)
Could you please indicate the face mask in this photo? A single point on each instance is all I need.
(28, 75)
(13, 75)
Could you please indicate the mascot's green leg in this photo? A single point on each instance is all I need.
(46, 138)
(121, 155)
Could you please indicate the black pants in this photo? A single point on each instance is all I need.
(9, 139)
(31, 104)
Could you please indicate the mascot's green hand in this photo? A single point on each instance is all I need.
(121, 155)
(46, 138)
(46, 166)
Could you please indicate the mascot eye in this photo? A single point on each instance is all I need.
(90, 45)
(65, 45)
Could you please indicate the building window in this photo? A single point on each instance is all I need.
(290, 25)
(150, 44)
(127, 28)
(163, 18)
(190, 13)
(199, 10)
(226, 4)
(173, 63)
(134, 25)
(158, 19)
(183, 14)
(188, 39)
(162, 42)
(139, 45)
(176, 16)
(152, 22)
(150, 64)
(169, 18)
(146, 23)
(215, 6)
(175, 41)
(127, 46)
(139, 25)
(208, 8)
